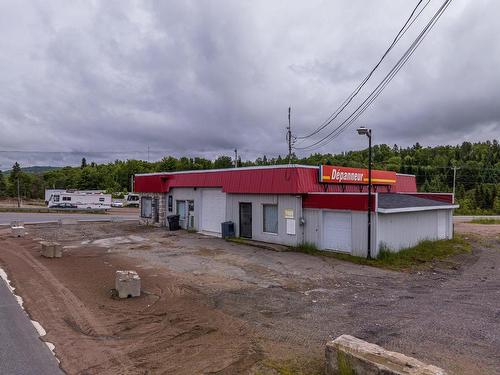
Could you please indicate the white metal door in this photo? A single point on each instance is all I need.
(442, 219)
(337, 231)
(213, 210)
(181, 211)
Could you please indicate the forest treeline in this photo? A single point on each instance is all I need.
(477, 171)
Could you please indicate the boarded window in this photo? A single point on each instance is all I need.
(146, 207)
(270, 213)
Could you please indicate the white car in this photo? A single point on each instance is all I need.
(116, 204)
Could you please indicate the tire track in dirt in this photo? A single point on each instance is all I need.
(57, 296)
(169, 329)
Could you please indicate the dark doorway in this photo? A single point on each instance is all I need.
(246, 220)
(156, 210)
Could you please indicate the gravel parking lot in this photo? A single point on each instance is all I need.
(211, 306)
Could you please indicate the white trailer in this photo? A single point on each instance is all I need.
(132, 200)
(80, 199)
(49, 192)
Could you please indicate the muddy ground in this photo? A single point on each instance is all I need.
(211, 306)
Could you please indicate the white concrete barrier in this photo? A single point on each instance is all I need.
(51, 249)
(127, 284)
(349, 355)
(17, 228)
(68, 221)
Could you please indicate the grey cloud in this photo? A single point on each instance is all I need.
(202, 78)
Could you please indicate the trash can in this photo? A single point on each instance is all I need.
(173, 222)
(227, 229)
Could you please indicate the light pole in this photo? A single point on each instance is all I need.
(368, 132)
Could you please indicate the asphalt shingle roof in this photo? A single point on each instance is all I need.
(394, 200)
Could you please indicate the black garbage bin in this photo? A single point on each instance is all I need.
(173, 222)
(227, 229)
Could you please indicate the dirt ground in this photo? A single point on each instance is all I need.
(216, 307)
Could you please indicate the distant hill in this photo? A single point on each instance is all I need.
(35, 169)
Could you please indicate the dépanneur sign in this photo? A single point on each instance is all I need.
(344, 175)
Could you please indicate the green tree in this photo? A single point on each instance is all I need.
(223, 162)
(3, 185)
(14, 177)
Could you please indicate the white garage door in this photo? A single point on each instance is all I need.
(337, 229)
(213, 210)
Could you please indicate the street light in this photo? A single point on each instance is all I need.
(368, 132)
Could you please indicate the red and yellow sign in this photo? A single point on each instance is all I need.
(343, 175)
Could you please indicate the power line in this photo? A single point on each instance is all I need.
(77, 152)
(381, 86)
(385, 81)
(348, 100)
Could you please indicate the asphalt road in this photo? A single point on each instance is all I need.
(462, 219)
(21, 350)
(32, 217)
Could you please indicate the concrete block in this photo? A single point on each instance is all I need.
(349, 355)
(18, 231)
(68, 221)
(127, 284)
(51, 249)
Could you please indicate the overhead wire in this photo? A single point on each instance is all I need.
(351, 96)
(381, 86)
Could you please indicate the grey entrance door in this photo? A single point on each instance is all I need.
(246, 220)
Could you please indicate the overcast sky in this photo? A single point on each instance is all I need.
(203, 77)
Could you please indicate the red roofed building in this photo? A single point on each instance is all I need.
(293, 204)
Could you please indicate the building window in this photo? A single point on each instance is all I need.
(101, 199)
(170, 203)
(146, 207)
(66, 198)
(270, 215)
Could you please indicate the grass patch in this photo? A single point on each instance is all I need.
(417, 256)
(238, 240)
(485, 221)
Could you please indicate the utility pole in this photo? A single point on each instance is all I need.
(289, 136)
(18, 194)
(148, 153)
(454, 179)
(369, 194)
(236, 158)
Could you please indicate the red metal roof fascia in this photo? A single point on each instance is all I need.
(150, 184)
(339, 201)
(405, 184)
(264, 181)
(440, 197)
(285, 180)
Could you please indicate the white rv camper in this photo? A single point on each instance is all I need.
(80, 199)
(132, 200)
